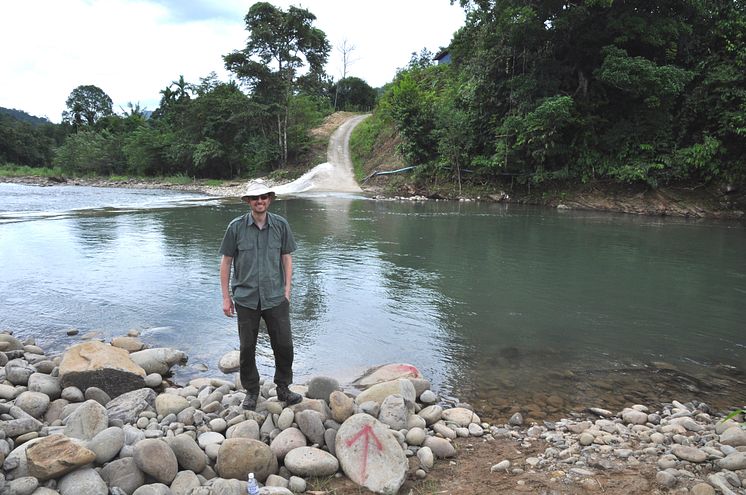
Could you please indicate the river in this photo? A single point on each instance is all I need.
(505, 307)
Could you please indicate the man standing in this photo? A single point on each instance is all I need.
(259, 246)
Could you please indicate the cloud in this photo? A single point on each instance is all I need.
(133, 49)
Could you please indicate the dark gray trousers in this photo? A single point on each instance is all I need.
(277, 320)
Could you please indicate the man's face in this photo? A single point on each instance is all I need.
(259, 204)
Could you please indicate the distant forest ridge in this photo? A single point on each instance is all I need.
(23, 116)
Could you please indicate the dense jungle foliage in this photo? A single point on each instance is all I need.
(596, 90)
(623, 91)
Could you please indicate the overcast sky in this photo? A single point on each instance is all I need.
(134, 48)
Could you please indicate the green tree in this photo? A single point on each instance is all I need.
(280, 44)
(86, 105)
(354, 94)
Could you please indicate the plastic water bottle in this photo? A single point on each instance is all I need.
(252, 488)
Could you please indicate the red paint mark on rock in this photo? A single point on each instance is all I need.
(408, 368)
(366, 432)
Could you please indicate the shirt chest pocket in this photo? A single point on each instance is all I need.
(275, 242)
(246, 245)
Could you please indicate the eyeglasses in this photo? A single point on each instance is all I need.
(263, 197)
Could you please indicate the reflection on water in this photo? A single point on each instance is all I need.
(507, 308)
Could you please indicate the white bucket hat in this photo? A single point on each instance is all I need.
(257, 188)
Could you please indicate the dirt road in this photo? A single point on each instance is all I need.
(336, 174)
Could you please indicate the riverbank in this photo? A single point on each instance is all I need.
(64, 427)
(713, 202)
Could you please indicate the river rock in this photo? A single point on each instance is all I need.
(311, 424)
(287, 440)
(56, 455)
(237, 457)
(155, 457)
(34, 403)
(733, 461)
(123, 473)
(95, 364)
(128, 406)
(8, 392)
(21, 486)
(244, 429)
(286, 419)
(441, 447)
(386, 373)
(210, 437)
(461, 416)
(633, 416)
(184, 482)
(129, 344)
(321, 387)
(153, 489)
(431, 414)
(97, 394)
(107, 444)
(416, 436)
(380, 391)
(330, 439)
(735, 436)
(317, 405)
(426, 458)
(18, 371)
(166, 404)
(702, 489)
(10, 343)
(370, 455)
(230, 362)
(516, 419)
(691, 454)
(428, 397)
(310, 461)
(188, 454)
(87, 421)
(342, 405)
(45, 384)
(158, 360)
(394, 412)
(85, 480)
(442, 429)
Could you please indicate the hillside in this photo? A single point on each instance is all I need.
(23, 116)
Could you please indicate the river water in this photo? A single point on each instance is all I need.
(506, 307)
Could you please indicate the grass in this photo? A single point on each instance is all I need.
(362, 143)
(13, 170)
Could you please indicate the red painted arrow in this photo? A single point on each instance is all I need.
(367, 432)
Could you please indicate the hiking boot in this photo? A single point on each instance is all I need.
(249, 402)
(285, 395)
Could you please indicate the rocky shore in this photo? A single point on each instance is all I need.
(101, 418)
(712, 203)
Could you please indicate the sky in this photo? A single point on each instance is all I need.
(132, 49)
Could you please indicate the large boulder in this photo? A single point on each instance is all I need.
(370, 455)
(158, 360)
(95, 364)
(387, 373)
(237, 457)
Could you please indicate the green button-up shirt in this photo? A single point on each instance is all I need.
(258, 275)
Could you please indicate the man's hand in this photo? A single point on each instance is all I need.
(228, 307)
